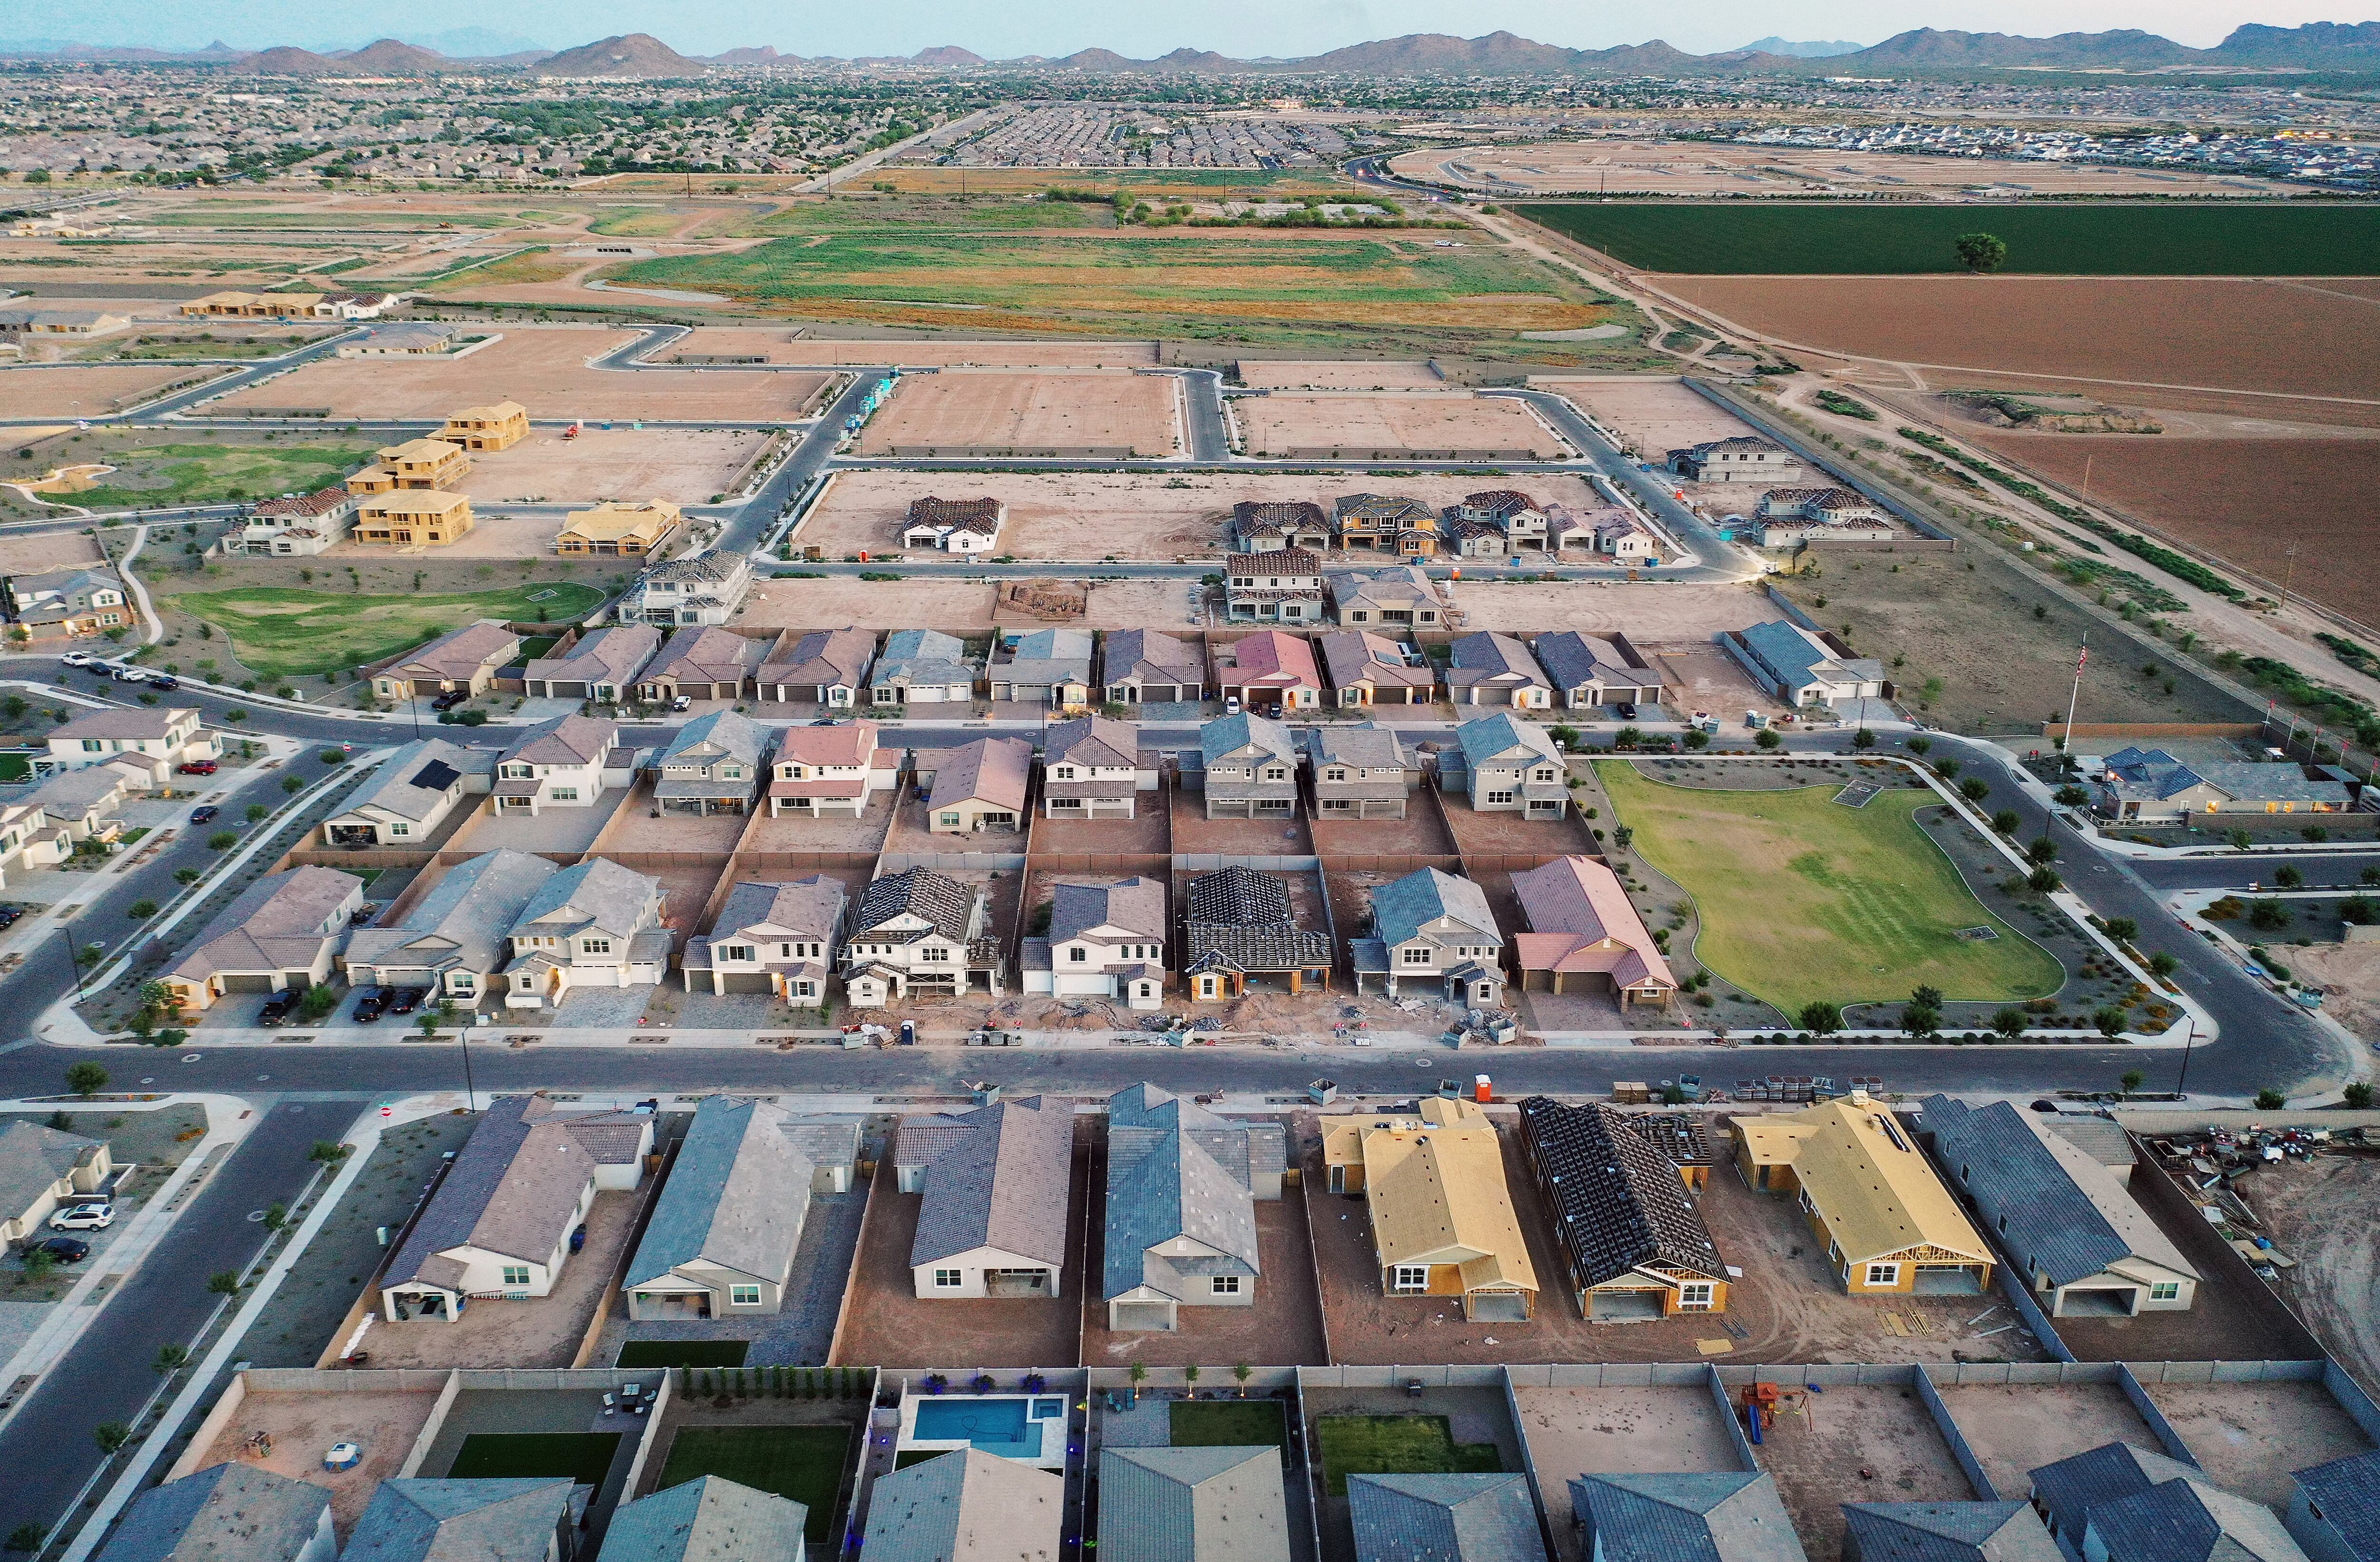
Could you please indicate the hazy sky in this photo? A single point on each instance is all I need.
(997, 29)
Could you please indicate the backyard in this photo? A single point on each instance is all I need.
(1396, 1445)
(1226, 1423)
(585, 1456)
(803, 1463)
(1803, 899)
(278, 632)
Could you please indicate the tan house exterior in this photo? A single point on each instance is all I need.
(416, 464)
(413, 518)
(466, 658)
(498, 426)
(1442, 1219)
(613, 529)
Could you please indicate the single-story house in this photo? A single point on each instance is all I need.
(412, 1520)
(1269, 669)
(1457, 1518)
(1213, 1503)
(42, 1168)
(922, 667)
(721, 1236)
(976, 786)
(1688, 1516)
(1239, 923)
(1181, 1207)
(1442, 1219)
(954, 525)
(466, 658)
(995, 1182)
(1623, 1215)
(413, 791)
(1587, 671)
(1149, 667)
(282, 931)
(966, 1505)
(1742, 458)
(1490, 669)
(1802, 666)
(1050, 667)
(1585, 935)
(1369, 669)
(709, 1519)
(225, 1511)
(705, 662)
(825, 667)
(2150, 786)
(602, 667)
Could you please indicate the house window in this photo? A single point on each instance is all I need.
(1335, 773)
(1884, 1274)
(1696, 1297)
(1227, 1285)
(949, 1278)
(94, 745)
(594, 946)
(1500, 797)
(1545, 774)
(736, 952)
(931, 953)
(516, 1274)
(1064, 772)
(400, 830)
(464, 983)
(1411, 1277)
(743, 1296)
(1275, 773)
(1077, 955)
(948, 820)
(1337, 805)
(564, 795)
(1417, 955)
(2164, 1290)
(805, 989)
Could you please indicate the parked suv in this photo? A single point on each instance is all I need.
(84, 1217)
(196, 767)
(369, 1007)
(278, 1008)
(450, 699)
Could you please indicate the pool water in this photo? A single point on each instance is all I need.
(995, 1425)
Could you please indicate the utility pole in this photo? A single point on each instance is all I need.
(2181, 1085)
(2066, 745)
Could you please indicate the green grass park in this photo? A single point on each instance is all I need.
(803, 1463)
(156, 475)
(1396, 1445)
(278, 632)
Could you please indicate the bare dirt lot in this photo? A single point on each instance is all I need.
(1646, 612)
(973, 413)
(784, 345)
(1387, 374)
(957, 606)
(2016, 1429)
(1864, 1442)
(46, 550)
(1573, 1432)
(1356, 425)
(545, 370)
(383, 1423)
(88, 392)
(683, 465)
(2320, 1212)
(1654, 416)
(1712, 168)
(2248, 1436)
(2247, 500)
(2231, 334)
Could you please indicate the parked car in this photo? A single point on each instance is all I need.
(682, 702)
(369, 1007)
(9, 915)
(128, 675)
(196, 767)
(76, 659)
(163, 680)
(407, 1000)
(1627, 710)
(450, 699)
(278, 1008)
(84, 1217)
(65, 1249)
(204, 814)
(1230, 704)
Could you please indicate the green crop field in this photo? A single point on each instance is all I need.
(1396, 1445)
(584, 1456)
(1794, 238)
(919, 213)
(804, 1463)
(161, 475)
(1803, 899)
(279, 633)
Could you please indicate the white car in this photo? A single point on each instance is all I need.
(76, 659)
(84, 1217)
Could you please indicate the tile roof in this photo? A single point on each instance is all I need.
(1244, 919)
(1798, 658)
(1394, 585)
(711, 567)
(459, 653)
(123, 723)
(1620, 1205)
(708, 654)
(496, 1520)
(1492, 738)
(1730, 1517)
(978, 515)
(993, 771)
(2071, 1487)
(1444, 1518)
(2346, 1491)
(1379, 507)
(736, 1197)
(1151, 657)
(1136, 904)
(1402, 907)
(566, 740)
(943, 901)
(1947, 1531)
(1267, 654)
(1000, 1183)
(464, 923)
(710, 1518)
(608, 656)
(1192, 1505)
(1227, 735)
(1280, 561)
(230, 1512)
(279, 923)
(1581, 919)
(596, 893)
(966, 1505)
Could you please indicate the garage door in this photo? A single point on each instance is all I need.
(1143, 1317)
(248, 981)
(746, 981)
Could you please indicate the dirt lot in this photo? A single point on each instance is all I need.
(2249, 1436)
(1702, 677)
(46, 550)
(961, 607)
(1862, 1443)
(2233, 335)
(1646, 612)
(782, 345)
(2248, 499)
(1284, 1327)
(545, 369)
(1573, 1432)
(1194, 832)
(383, 1423)
(1653, 416)
(683, 465)
(888, 1326)
(1386, 374)
(545, 1332)
(798, 832)
(1705, 168)
(1958, 626)
(967, 413)
(2320, 1213)
(2014, 1429)
(1147, 830)
(1392, 426)
(87, 392)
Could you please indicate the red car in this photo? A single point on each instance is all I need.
(197, 768)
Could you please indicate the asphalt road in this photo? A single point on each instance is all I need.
(49, 1447)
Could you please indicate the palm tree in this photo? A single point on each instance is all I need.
(1135, 1371)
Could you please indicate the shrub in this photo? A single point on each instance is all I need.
(2270, 1100)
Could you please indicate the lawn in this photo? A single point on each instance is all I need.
(637, 221)
(2212, 239)
(1803, 899)
(287, 634)
(1227, 1423)
(976, 213)
(804, 1463)
(1396, 1445)
(160, 475)
(638, 1354)
(585, 1456)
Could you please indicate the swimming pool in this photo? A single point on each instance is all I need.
(1010, 1425)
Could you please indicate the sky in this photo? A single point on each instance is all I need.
(1243, 28)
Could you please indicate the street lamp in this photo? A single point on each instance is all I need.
(2190, 1040)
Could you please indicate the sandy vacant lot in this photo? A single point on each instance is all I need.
(958, 606)
(1445, 425)
(785, 345)
(970, 412)
(1645, 611)
(2249, 1436)
(683, 465)
(2321, 1211)
(1388, 374)
(1654, 416)
(87, 392)
(2223, 333)
(46, 550)
(545, 369)
(1090, 515)
(1607, 1431)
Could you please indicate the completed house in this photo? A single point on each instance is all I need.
(1804, 668)
(1262, 528)
(1359, 772)
(954, 525)
(457, 936)
(1238, 923)
(1434, 929)
(1091, 770)
(1787, 517)
(1272, 670)
(2329, 1511)
(830, 769)
(1106, 940)
(1183, 1186)
(1213, 1503)
(1584, 936)
(1285, 586)
(617, 530)
(922, 667)
(1441, 1213)
(996, 1183)
(711, 766)
(1745, 458)
(2080, 1241)
(1890, 1225)
(1735, 1516)
(42, 1168)
(565, 763)
(826, 667)
(597, 925)
(701, 663)
(777, 939)
(1587, 671)
(1490, 669)
(1520, 520)
(704, 587)
(1248, 768)
(1401, 597)
(1471, 1517)
(411, 1519)
(1368, 669)
(1149, 667)
(2001, 1531)
(603, 667)
(281, 932)
(2138, 1508)
(499, 1223)
(709, 1519)
(227, 1510)
(128, 738)
(923, 930)
(413, 792)
(966, 1505)
(497, 426)
(297, 527)
(1049, 667)
(1392, 523)
(1509, 766)
(1623, 1214)
(976, 786)
(721, 1236)
(68, 602)
(465, 658)
(2150, 786)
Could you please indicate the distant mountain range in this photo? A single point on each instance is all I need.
(2346, 46)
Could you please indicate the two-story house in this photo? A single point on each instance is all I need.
(954, 525)
(1389, 522)
(1106, 940)
(1240, 926)
(455, 940)
(1269, 671)
(497, 426)
(1285, 586)
(712, 765)
(297, 527)
(411, 517)
(1587, 671)
(1508, 767)
(411, 794)
(922, 667)
(1490, 669)
(1049, 667)
(565, 763)
(416, 465)
(603, 667)
(1400, 598)
(1788, 516)
(1433, 930)
(1262, 528)
(1149, 667)
(1745, 458)
(1368, 669)
(707, 662)
(1359, 772)
(1466, 537)
(598, 925)
(825, 667)
(777, 939)
(1518, 518)
(923, 931)
(823, 770)
(976, 786)
(157, 739)
(466, 660)
(1248, 768)
(704, 587)
(1091, 770)
(68, 602)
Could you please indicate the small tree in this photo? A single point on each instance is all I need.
(2268, 915)
(37, 1264)
(2009, 1023)
(1975, 789)
(2071, 798)
(2040, 848)
(2110, 1021)
(2043, 880)
(276, 1216)
(172, 1359)
(1920, 1021)
(1765, 740)
(1921, 746)
(2006, 820)
(1190, 1376)
(1137, 1372)
(2289, 875)
(111, 1436)
(223, 1282)
(2123, 929)
(1863, 739)
(2132, 1080)
(28, 1536)
(2359, 1096)
(1243, 1371)
(2238, 840)
(1981, 252)
(2270, 1100)
(1821, 1018)
(1948, 769)
(86, 1078)
(2163, 964)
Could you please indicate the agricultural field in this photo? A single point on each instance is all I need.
(1803, 899)
(155, 476)
(779, 344)
(2179, 239)
(854, 214)
(280, 633)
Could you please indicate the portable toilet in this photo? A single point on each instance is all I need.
(1480, 1090)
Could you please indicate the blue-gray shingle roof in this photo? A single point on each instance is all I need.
(965, 1506)
(737, 1196)
(1697, 1516)
(1402, 907)
(1229, 734)
(2347, 1493)
(226, 1513)
(1946, 1531)
(2189, 1521)
(1493, 736)
(1444, 1518)
(1192, 1505)
(414, 1521)
(1164, 1185)
(706, 1520)
(2070, 1488)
